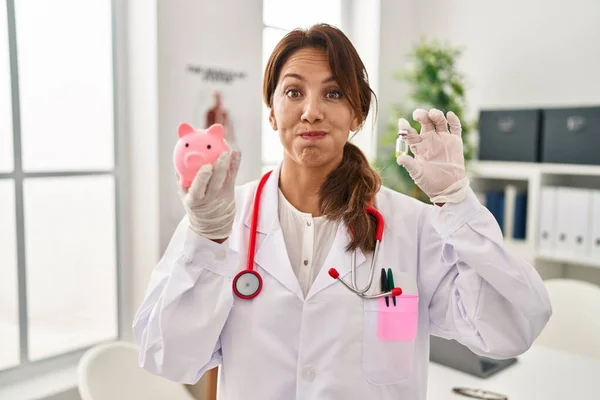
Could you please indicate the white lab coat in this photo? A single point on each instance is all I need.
(282, 346)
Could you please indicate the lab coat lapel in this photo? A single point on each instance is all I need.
(272, 256)
(271, 253)
(338, 258)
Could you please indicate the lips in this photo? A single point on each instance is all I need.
(313, 134)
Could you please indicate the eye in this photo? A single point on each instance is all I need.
(208, 147)
(334, 94)
(187, 145)
(292, 93)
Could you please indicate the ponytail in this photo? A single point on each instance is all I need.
(345, 193)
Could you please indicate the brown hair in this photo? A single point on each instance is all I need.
(352, 185)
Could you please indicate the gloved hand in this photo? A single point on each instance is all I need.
(210, 200)
(439, 166)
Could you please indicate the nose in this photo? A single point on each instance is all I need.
(313, 110)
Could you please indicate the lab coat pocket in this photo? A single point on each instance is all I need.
(389, 339)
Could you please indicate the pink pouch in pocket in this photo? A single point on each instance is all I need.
(398, 322)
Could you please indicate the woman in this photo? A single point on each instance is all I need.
(305, 335)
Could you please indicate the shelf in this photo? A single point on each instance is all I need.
(570, 169)
(503, 170)
(533, 177)
(568, 259)
(524, 170)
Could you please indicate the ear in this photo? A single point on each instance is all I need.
(184, 129)
(216, 130)
(354, 124)
(272, 120)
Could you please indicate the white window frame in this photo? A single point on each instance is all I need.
(27, 369)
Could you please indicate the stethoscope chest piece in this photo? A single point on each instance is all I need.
(247, 284)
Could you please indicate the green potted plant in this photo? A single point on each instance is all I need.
(433, 81)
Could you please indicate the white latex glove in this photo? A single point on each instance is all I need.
(439, 166)
(210, 200)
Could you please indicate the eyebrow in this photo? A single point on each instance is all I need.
(301, 78)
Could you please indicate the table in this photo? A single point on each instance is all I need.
(540, 373)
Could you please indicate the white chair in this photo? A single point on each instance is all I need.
(575, 322)
(111, 372)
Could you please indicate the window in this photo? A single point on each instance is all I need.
(59, 178)
(6, 137)
(279, 17)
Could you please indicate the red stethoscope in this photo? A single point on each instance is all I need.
(248, 283)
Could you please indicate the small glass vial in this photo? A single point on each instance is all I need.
(401, 145)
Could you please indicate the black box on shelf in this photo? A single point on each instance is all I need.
(510, 135)
(571, 135)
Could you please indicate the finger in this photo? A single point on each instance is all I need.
(411, 165)
(438, 118)
(422, 117)
(417, 149)
(182, 190)
(197, 189)
(454, 122)
(411, 135)
(234, 166)
(413, 138)
(216, 182)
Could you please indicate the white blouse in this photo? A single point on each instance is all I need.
(307, 239)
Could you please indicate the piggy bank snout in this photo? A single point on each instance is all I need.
(193, 159)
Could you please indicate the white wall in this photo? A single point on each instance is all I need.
(225, 34)
(362, 27)
(524, 53)
(397, 32)
(142, 130)
(162, 36)
(518, 53)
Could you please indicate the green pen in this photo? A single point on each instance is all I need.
(390, 278)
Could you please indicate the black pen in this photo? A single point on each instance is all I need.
(479, 394)
(391, 284)
(384, 287)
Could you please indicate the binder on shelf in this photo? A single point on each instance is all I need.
(573, 212)
(515, 212)
(510, 192)
(547, 234)
(595, 226)
(520, 216)
(494, 201)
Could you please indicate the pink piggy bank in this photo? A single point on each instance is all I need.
(195, 148)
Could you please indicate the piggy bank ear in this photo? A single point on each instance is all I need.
(216, 130)
(184, 129)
